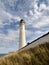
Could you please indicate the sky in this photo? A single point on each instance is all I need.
(35, 13)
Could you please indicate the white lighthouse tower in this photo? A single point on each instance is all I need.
(22, 40)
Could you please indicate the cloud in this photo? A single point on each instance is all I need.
(7, 15)
(43, 6)
(11, 16)
(9, 42)
(35, 14)
(41, 22)
(12, 35)
(31, 12)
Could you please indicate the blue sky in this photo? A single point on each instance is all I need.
(35, 14)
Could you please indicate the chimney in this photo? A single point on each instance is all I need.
(22, 40)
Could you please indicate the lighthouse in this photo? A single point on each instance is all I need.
(22, 38)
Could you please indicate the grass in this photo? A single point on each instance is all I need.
(38, 55)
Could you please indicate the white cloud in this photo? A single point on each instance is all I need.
(28, 33)
(42, 7)
(41, 23)
(9, 42)
(25, 16)
(1, 6)
(11, 16)
(5, 16)
(12, 36)
(11, 2)
(39, 32)
(31, 12)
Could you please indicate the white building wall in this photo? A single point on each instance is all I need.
(22, 40)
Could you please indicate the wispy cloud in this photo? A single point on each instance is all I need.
(41, 23)
(36, 16)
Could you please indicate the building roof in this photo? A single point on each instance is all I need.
(35, 40)
(39, 37)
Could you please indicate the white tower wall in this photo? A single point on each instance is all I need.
(22, 41)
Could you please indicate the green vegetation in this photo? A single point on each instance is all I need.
(38, 55)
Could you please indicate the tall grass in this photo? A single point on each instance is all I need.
(38, 55)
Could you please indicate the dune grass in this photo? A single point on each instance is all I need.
(38, 55)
